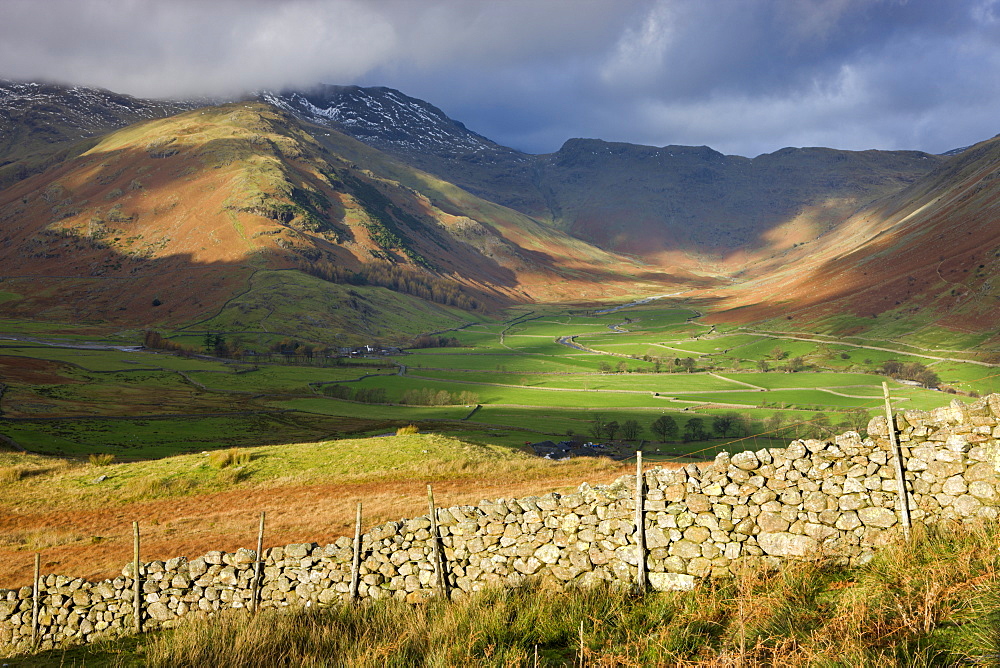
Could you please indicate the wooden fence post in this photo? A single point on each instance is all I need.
(442, 586)
(356, 561)
(640, 522)
(136, 590)
(897, 455)
(35, 599)
(255, 591)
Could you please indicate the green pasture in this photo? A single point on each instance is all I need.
(657, 318)
(969, 377)
(133, 439)
(553, 388)
(395, 386)
(281, 304)
(807, 379)
(340, 408)
(665, 383)
(281, 378)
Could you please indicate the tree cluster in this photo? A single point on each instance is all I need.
(156, 341)
(386, 275)
(366, 395)
(914, 371)
(428, 341)
(425, 396)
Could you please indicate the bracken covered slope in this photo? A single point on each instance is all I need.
(167, 220)
(930, 254)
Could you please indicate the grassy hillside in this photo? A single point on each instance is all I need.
(918, 265)
(78, 514)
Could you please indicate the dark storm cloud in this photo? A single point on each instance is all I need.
(743, 76)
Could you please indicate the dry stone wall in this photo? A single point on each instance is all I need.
(833, 499)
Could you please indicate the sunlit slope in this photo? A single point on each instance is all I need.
(928, 254)
(167, 220)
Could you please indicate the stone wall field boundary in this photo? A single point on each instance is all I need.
(833, 499)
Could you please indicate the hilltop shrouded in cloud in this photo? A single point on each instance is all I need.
(743, 76)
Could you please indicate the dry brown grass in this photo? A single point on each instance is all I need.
(187, 507)
(11, 474)
(103, 459)
(220, 459)
(408, 429)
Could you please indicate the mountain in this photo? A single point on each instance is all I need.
(174, 220)
(421, 135)
(676, 204)
(38, 118)
(926, 255)
(383, 215)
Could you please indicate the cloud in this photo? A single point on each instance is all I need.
(744, 76)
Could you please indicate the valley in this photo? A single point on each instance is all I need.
(501, 384)
(295, 301)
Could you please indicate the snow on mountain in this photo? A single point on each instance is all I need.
(386, 119)
(33, 113)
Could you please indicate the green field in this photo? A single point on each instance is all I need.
(530, 387)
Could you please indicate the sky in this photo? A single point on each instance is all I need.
(742, 76)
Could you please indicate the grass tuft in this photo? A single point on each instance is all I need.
(11, 474)
(407, 430)
(220, 459)
(101, 459)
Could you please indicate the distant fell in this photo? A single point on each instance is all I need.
(675, 204)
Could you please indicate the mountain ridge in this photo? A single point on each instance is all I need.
(593, 220)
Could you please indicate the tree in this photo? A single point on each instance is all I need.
(774, 423)
(796, 364)
(891, 368)
(927, 378)
(722, 423)
(694, 430)
(855, 419)
(610, 429)
(821, 424)
(730, 424)
(631, 430)
(777, 353)
(763, 366)
(597, 427)
(665, 427)
(688, 363)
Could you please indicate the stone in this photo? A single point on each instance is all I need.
(697, 534)
(671, 581)
(244, 556)
(983, 490)
(548, 554)
(772, 522)
(958, 443)
(746, 460)
(967, 505)
(851, 502)
(954, 486)
(159, 612)
(848, 521)
(783, 544)
(685, 549)
(877, 517)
